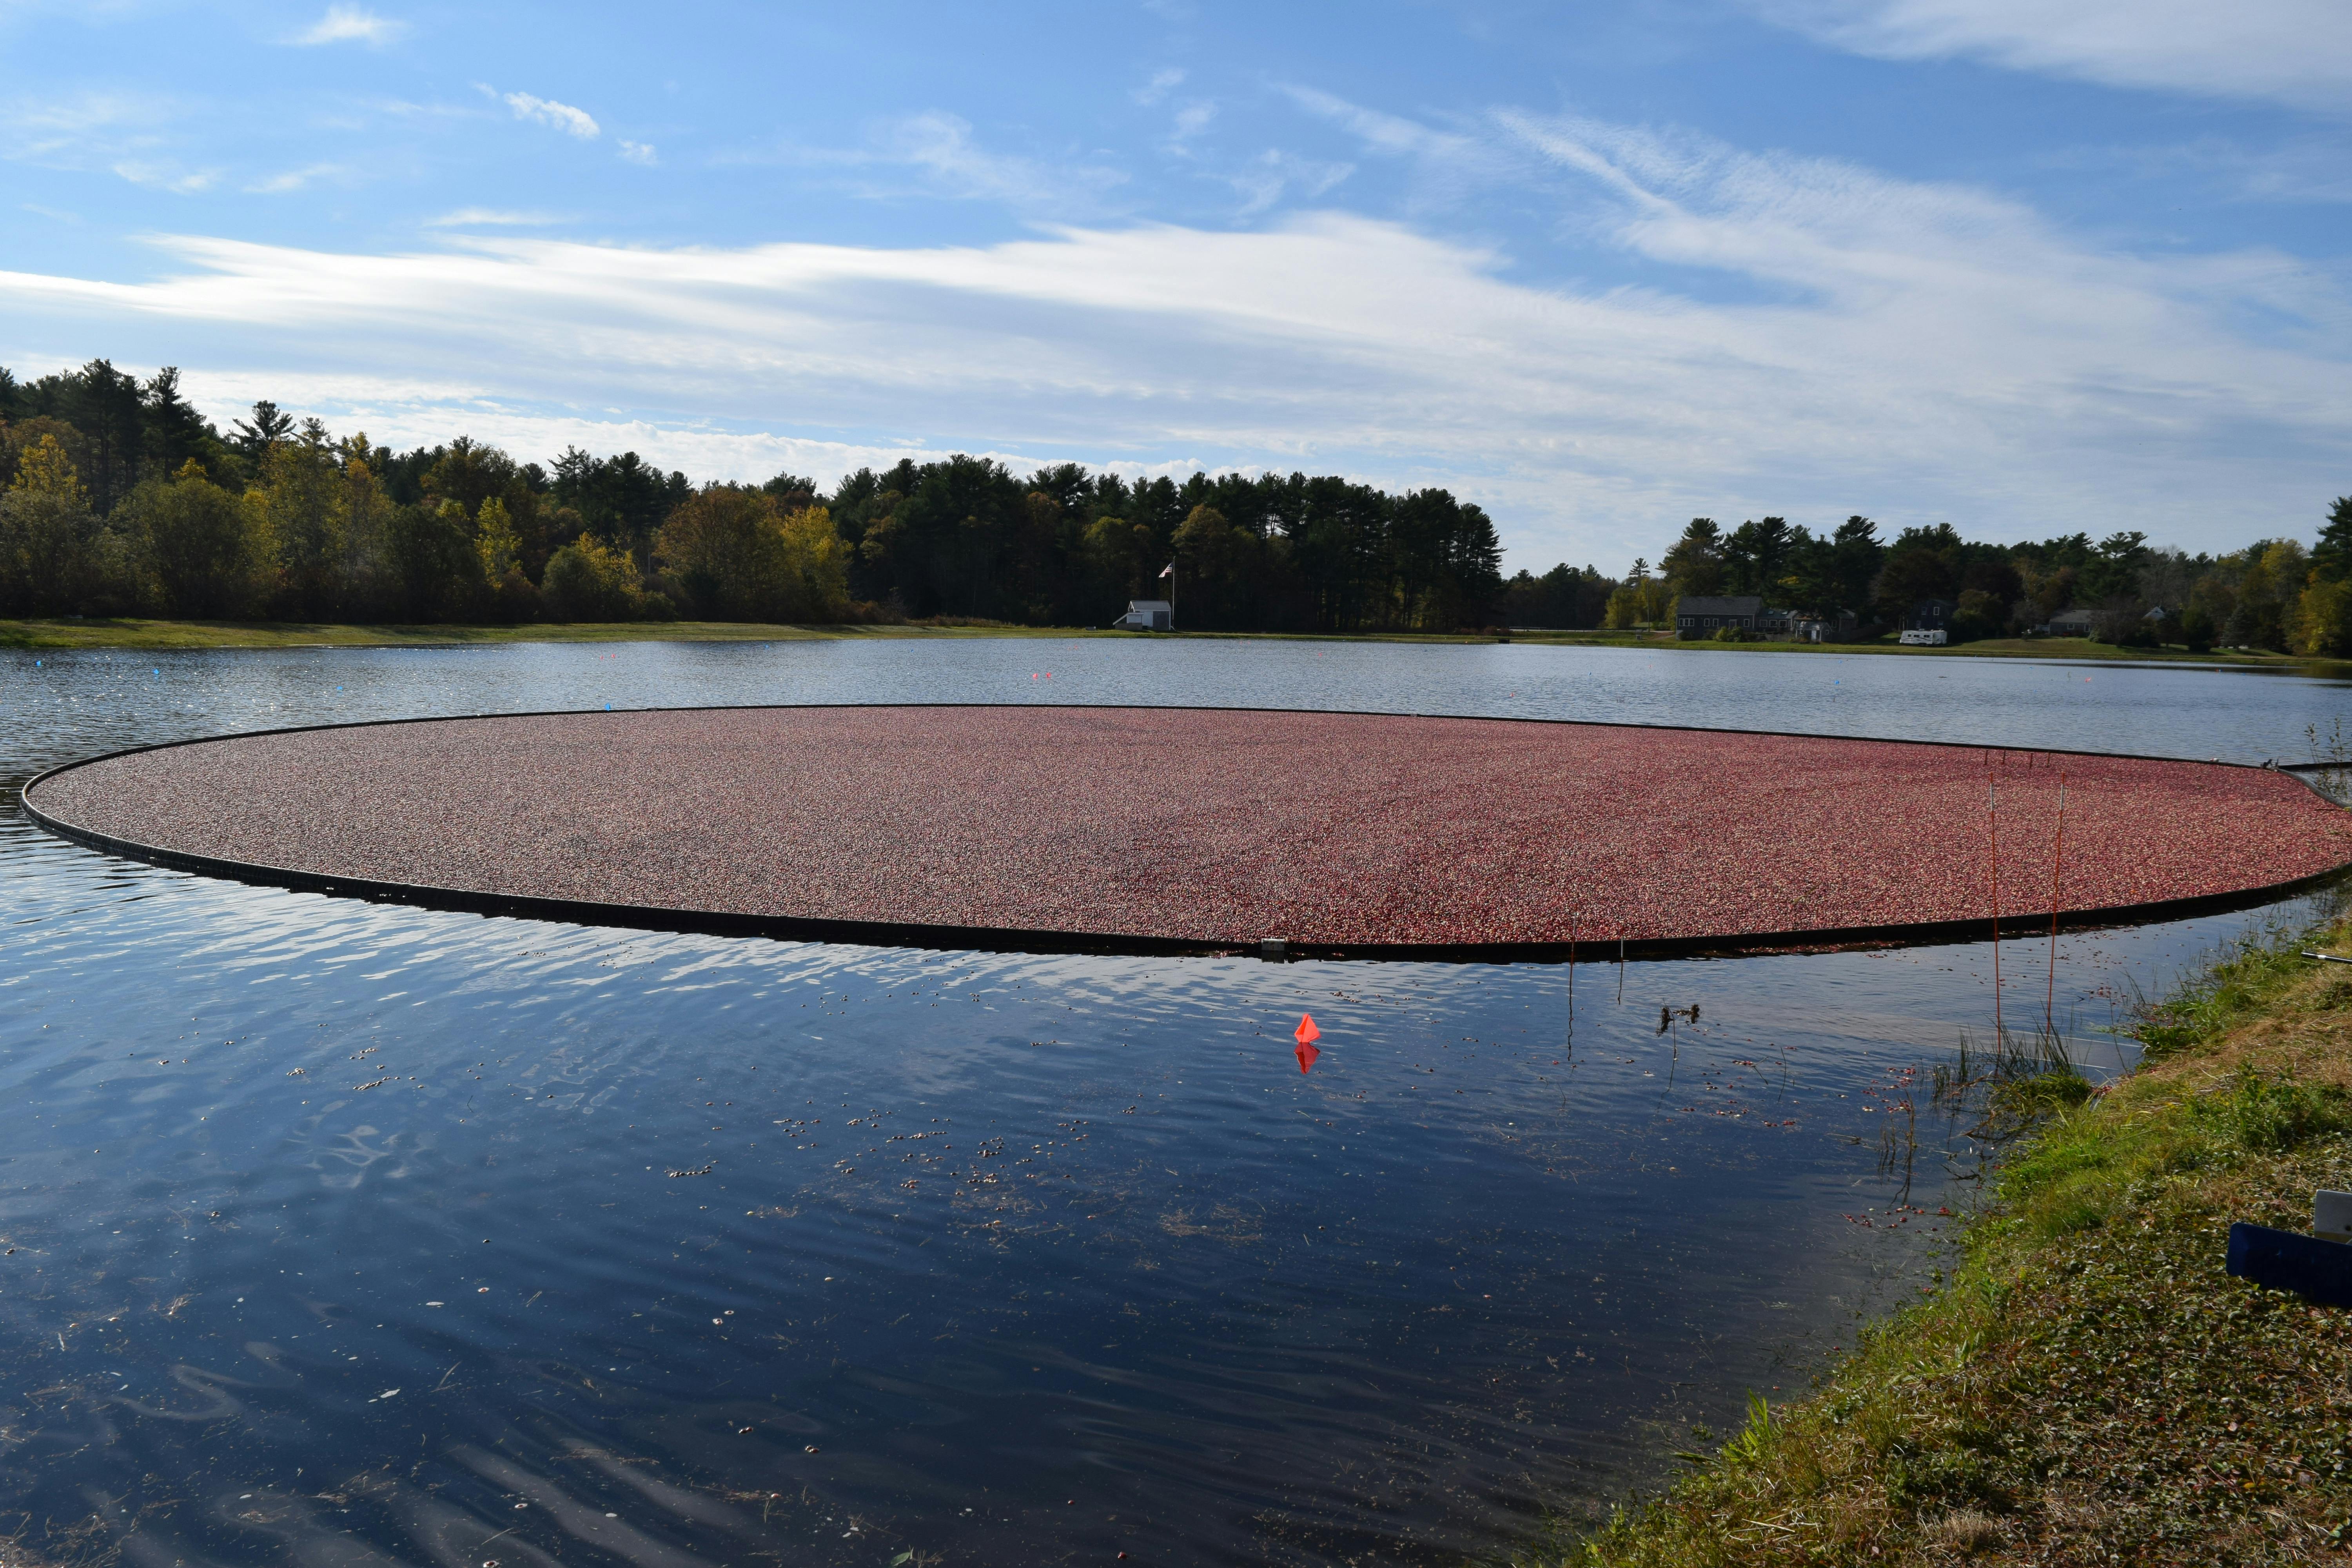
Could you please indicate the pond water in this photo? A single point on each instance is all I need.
(339, 1232)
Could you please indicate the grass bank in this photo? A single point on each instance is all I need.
(69, 633)
(2089, 1386)
(151, 634)
(1988, 647)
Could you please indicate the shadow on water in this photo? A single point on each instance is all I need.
(341, 1232)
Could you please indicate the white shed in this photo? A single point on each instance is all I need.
(1147, 616)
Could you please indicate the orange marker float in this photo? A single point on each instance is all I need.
(1307, 1033)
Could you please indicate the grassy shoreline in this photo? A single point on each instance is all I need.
(2088, 1386)
(71, 633)
(2070, 649)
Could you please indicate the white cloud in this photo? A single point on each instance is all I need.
(1158, 88)
(1448, 161)
(639, 152)
(935, 153)
(547, 112)
(295, 179)
(404, 415)
(1194, 119)
(943, 145)
(492, 217)
(2292, 52)
(84, 130)
(166, 176)
(1914, 350)
(1274, 174)
(82, 114)
(349, 24)
(1382, 132)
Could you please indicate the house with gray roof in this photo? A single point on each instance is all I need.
(1701, 614)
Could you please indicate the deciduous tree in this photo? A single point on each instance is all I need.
(208, 552)
(51, 556)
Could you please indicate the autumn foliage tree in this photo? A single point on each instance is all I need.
(734, 554)
(50, 546)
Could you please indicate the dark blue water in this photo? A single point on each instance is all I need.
(335, 1229)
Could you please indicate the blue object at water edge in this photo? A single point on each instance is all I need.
(2316, 1270)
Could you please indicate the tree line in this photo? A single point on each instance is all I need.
(117, 498)
(2274, 595)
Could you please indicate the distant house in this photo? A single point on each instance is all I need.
(2072, 624)
(1929, 624)
(1701, 614)
(1147, 616)
(1930, 616)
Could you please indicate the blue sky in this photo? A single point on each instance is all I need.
(2025, 265)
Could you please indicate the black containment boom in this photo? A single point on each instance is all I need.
(2318, 1271)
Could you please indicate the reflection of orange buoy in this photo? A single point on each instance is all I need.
(1306, 1031)
(1307, 1054)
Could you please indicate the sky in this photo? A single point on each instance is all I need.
(2028, 267)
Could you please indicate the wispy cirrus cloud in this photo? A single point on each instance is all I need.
(81, 128)
(1274, 174)
(1383, 132)
(493, 218)
(164, 174)
(1162, 83)
(293, 180)
(547, 112)
(1449, 161)
(935, 153)
(2296, 52)
(349, 25)
(135, 137)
